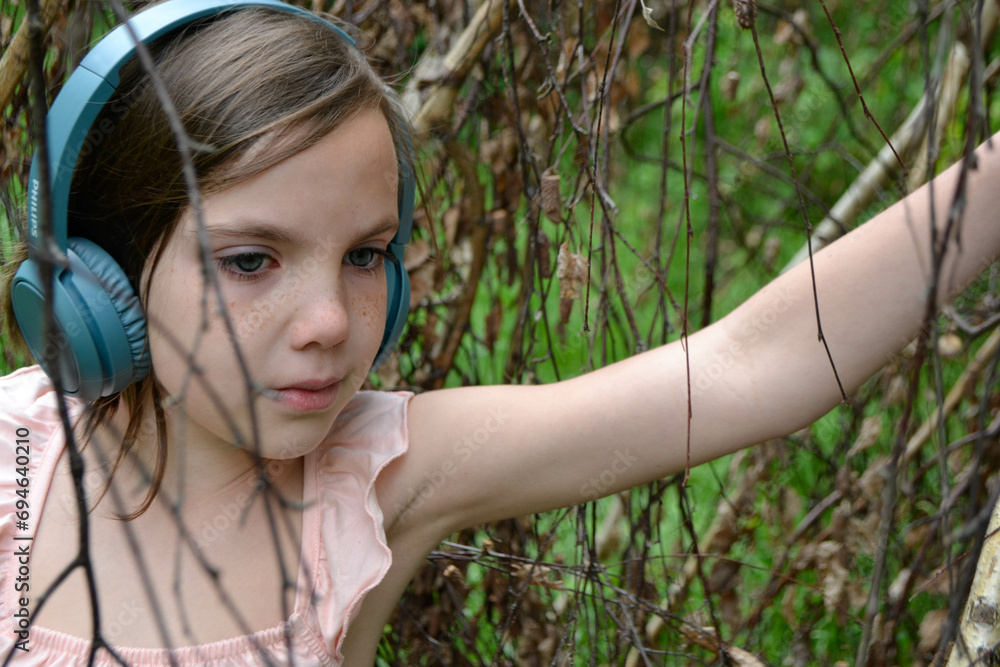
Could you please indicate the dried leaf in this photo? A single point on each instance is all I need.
(707, 638)
(930, 630)
(899, 584)
(417, 252)
(499, 220)
(537, 134)
(571, 270)
(565, 310)
(871, 428)
(730, 84)
(949, 345)
(896, 392)
(784, 32)
(536, 574)
(793, 31)
(746, 13)
(461, 254)
(790, 82)
(742, 658)
(432, 68)
(551, 197)
(762, 130)
(833, 585)
(872, 479)
(647, 14)
(421, 284)
(450, 220)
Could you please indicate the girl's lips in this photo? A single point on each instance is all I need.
(303, 399)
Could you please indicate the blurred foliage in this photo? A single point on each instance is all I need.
(601, 186)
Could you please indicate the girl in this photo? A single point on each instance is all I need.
(252, 409)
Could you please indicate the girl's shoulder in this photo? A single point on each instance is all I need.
(28, 401)
(30, 429)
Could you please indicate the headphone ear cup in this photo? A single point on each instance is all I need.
(397, 285)
(117, 313)
(100, 336)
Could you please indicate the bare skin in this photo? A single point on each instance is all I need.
(499, 447)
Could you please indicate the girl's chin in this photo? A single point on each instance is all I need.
(286, 434)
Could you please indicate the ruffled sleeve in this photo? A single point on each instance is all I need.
(353, 553)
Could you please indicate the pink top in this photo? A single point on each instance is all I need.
(344, 548)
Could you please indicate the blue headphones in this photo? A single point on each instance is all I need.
(101, 329)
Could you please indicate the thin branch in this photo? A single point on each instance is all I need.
(802, 208)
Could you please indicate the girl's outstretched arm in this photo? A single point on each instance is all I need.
(485, 453)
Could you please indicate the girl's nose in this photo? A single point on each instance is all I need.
(321, 318)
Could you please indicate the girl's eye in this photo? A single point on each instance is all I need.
(368, 259)
(245, 265)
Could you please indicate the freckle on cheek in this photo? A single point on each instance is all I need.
(371, 310)
(256, 317)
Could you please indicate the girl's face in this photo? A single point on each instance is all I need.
(298, 252)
